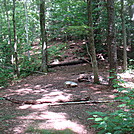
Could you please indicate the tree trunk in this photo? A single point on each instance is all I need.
(26, 27)
(10, 51)
(112, 49)
(43, 36)
(124, 37)
(16, 70)
(91, 43)
(131, 39)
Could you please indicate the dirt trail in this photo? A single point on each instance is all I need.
(21, 119)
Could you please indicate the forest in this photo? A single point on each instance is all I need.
(66, 66)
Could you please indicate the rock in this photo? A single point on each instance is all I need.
(83, 77)
(90, 78)
(56, 61)
(70, 84)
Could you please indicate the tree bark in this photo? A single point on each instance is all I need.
(131, 14)
(91, 43)
(124, 37)
(26, 27)
(44, 67)
(112, 49)
(16, 70)
(10, 52)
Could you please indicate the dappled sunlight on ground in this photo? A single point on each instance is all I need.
(112, 96)
(127, 74)
(103, 106)
(56, 95)
(37, 107)
(50, 89)
(98, 87)
(51, 120)
(128, 78)
(60, 78)
(64, 124)
(24, 91)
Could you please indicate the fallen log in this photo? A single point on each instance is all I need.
(59, 102)
(80, 61)
(30, 102)
(84, 102)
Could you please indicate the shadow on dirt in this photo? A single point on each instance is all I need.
(44, 118)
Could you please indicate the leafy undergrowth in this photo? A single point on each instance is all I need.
(5, 76)
(119, 121)
(57, 52)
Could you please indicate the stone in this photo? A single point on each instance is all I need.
(83, 77)
(71, 84)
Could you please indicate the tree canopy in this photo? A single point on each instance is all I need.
(65, 20)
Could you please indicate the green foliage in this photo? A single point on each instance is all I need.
(77, 31)
(65, 19)
(2, 98)
(55, 50)
(7, 117)
(64, 14)
(117, 122)
(5, 76)
(131, 64)
(28, 66)
(120, 121)
(44, 131)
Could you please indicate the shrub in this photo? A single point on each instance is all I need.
(5, 76)
(120, 121)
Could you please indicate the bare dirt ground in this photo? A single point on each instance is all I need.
(22, 119)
